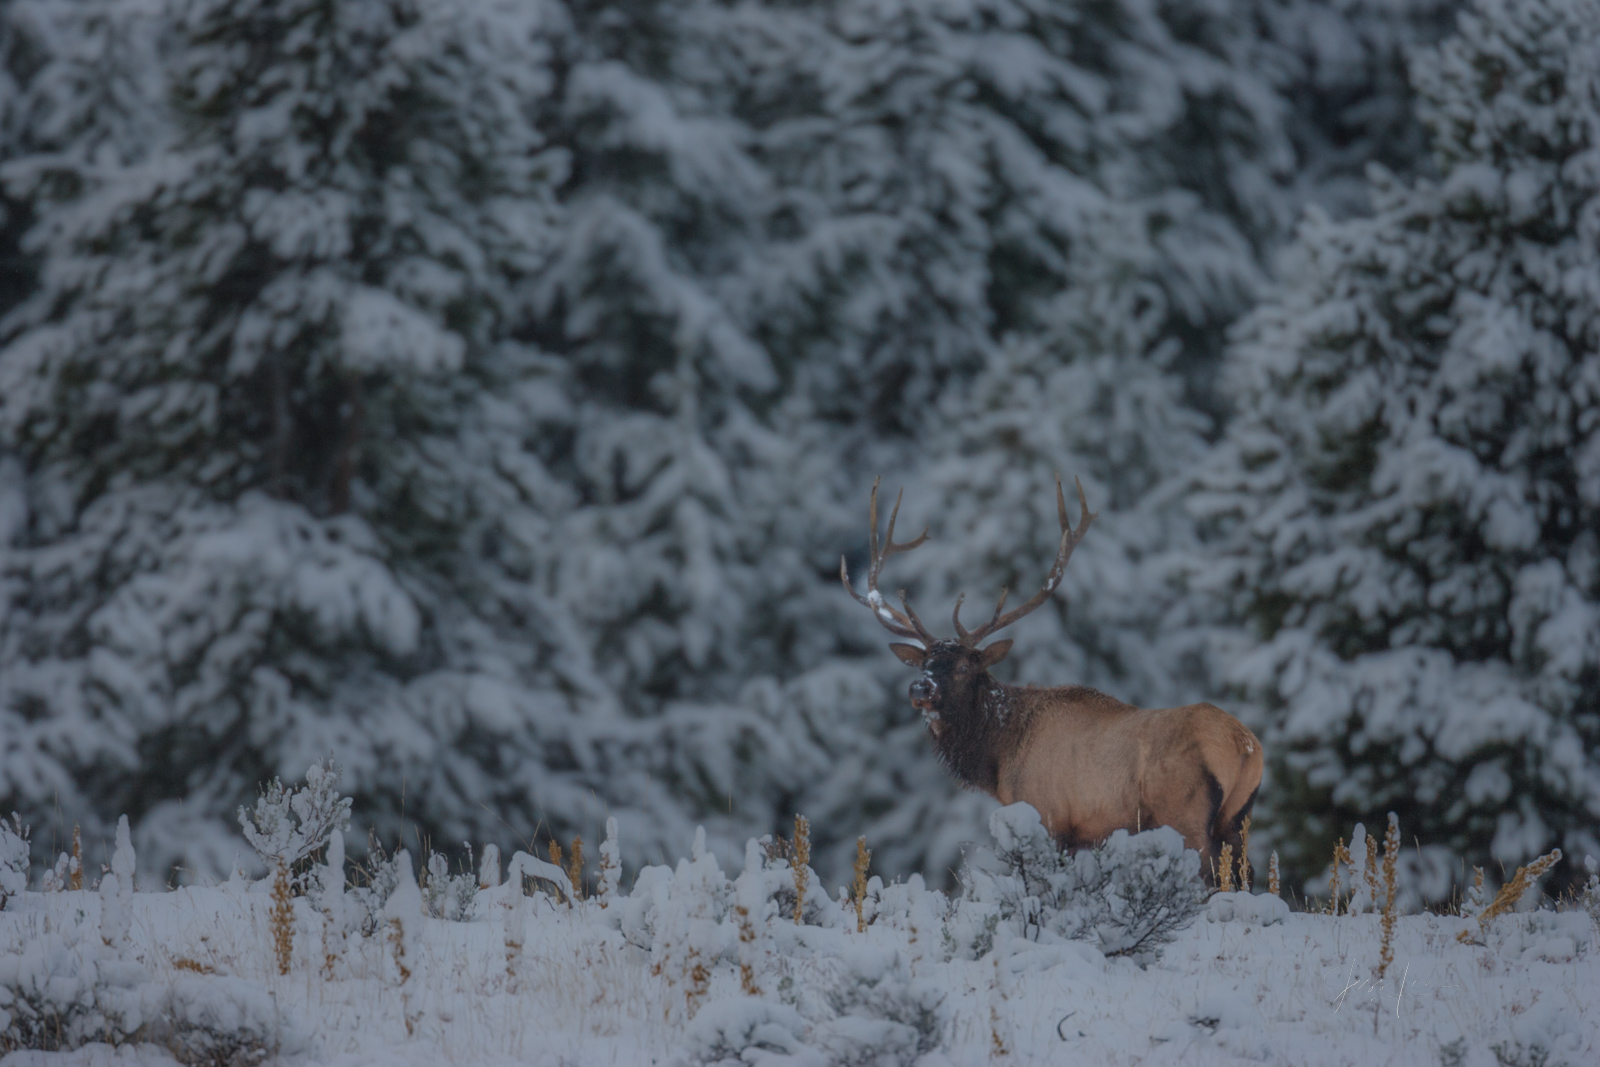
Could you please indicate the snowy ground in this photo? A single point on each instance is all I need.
(531, 980)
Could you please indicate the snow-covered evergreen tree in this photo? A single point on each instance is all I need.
(80, 90)
(669, 559)
(948, 176)
(1341, 68)
(1406, 504)
(284, 493)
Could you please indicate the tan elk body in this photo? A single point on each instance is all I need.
(1089, 763)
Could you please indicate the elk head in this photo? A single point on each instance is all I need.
(955, 673)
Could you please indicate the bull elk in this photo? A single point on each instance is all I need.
(1088, 762)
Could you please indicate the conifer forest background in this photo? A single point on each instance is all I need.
(483, 392)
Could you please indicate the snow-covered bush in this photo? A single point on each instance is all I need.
(860, 1008)
(116, 890)
(1258, 909)
(1547, 1035)
(445, 895)
(219, 1021)
(1129, 895)
(380, 877)
(684, 914)
(838, 1001)
(67, 988)
(881, 1014)
(1405, 506)
(401, 923)
(1591, 891)
(288, 825)
(14, 858)
(736, 1032)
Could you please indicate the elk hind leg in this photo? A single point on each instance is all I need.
(1228, 829)
(1210, 842)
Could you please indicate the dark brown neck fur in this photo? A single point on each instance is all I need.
(972, 738)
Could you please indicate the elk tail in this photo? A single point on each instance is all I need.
(1244, 786)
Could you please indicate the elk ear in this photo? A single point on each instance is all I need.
(909, 654)
(995, 653)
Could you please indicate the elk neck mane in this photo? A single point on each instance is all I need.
(970, 745)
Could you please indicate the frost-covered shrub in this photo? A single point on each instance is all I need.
(401, 920)
(1591, 891)
(882, 1015)
(217, 1021)
(664, 899)
(449, 896)
(67, 988)
(287, 825)
(116, 890)
(858, 1008)
(1130, 895)
(728, 1031)
(382, 876)
(13, 858)
(1553, 936)
(1544, 1036)
(610, 879)
(1258, 909)
(970, 928)
(684, 912)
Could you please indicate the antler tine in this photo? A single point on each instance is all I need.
(874, 561)
(955, 617)
(990, 627)
(901, 624)
(1069, 541)
(888, 617)
(889, 547)
(922, 631)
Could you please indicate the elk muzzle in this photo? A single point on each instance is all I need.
(923, 693)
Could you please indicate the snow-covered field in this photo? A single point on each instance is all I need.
(689, 966)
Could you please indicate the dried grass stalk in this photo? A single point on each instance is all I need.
(1372, 868)
(555, 858)
(747, 938)
(1512, 892)
(75, 869)
(1391, 854)
(1341, 857)
(281, 917)
(863, 857)
(800, 854)
(575, 868)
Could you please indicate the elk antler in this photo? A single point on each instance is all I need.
(1069, 541)
(900, 623)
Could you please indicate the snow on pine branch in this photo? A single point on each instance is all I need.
(287, 825)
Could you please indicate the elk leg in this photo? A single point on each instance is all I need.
(1069, 842)
(1212, 850)
(1231, 832)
